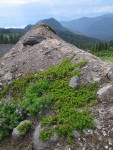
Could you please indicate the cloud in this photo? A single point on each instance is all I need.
(20, 2)
(103, 9)
(48, 2)
(20, 12)
(23, 26)
(82, 10)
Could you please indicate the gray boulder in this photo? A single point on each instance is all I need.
(18, 133)
(42, 145)
(104, 89)
(110, 75)
(37, 143)
(33, 40)
(74, 82)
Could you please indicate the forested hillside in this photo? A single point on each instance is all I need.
(103, 50)
(80, 41)
(11, 35)
(9, 38)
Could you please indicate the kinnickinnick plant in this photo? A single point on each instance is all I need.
(34, 93)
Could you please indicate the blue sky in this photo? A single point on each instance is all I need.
(18, 13)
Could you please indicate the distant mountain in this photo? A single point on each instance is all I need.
(15, 30)
(27, 28)
(77, 39)
(53, 23)
(56, 25)
(99, 27)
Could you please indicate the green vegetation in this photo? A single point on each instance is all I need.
(9, 119)
(23, 128)
(108, 58)
(103, 50)
(104, 53)
(30, 147)
(102, 46)
(17, 87)
(12, 35)
(9, 38)
(81, 41)
(50, 28)
(67, 105)
(33, 94)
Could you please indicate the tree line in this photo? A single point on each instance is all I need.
(9, 38)
(80, 41)
(104, 49)
(102, 46)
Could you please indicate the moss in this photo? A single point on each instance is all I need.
(23, 128)
(46, 134)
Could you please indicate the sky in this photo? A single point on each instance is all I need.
(19, 13)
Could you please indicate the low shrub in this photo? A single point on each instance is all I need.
(32, 94)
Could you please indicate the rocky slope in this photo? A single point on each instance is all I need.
(30, 58)
(40, 48)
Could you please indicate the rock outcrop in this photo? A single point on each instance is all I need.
(74, 82)
(21, 130)
(37, 143)
(30, 55)
(33, 40)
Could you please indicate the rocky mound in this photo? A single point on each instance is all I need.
(39, 49)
